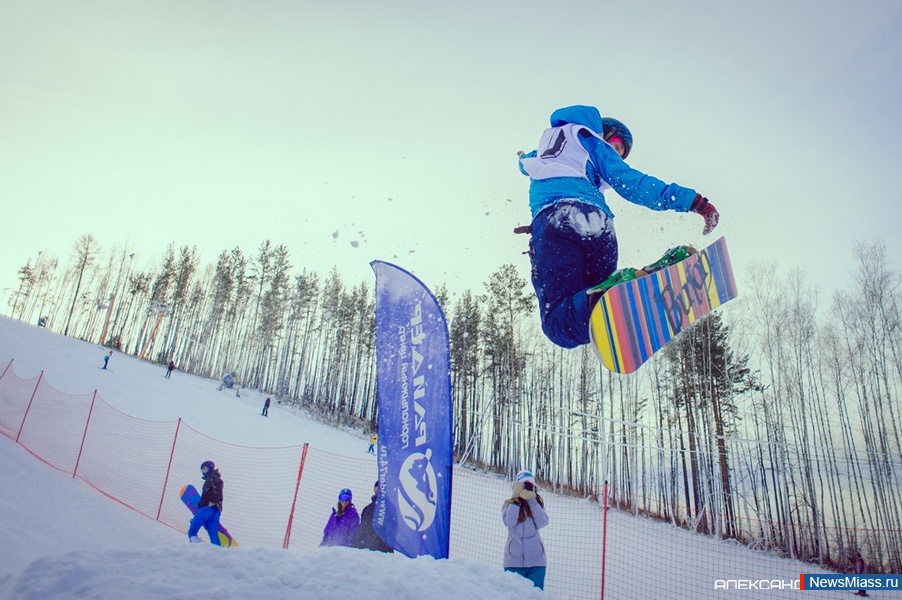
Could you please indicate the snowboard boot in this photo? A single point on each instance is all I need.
(671, 257)
(619, 276)
(194, 539)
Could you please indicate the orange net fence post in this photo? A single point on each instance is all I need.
(604, 536)
(294, 501)
(15, 395)
(53, 425)
(84, 434)
(175, 439)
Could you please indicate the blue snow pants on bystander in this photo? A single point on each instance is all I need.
(208, 518)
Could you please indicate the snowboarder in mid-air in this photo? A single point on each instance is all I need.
(573, 246)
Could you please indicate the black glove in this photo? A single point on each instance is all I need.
(701, 206)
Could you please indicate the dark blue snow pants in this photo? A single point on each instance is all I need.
(573, 247)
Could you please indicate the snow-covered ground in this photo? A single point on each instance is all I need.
(60, 538)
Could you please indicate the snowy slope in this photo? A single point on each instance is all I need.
(60, 538)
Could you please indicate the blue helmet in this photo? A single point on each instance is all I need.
(345, 495)
(613, 126)
(207, 464)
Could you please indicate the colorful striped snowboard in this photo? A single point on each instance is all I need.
(191, 497)
(633, 320)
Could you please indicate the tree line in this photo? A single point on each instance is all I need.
(773, 421)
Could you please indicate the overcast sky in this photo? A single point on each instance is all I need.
(353, 131)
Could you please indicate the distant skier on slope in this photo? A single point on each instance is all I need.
(860, 568)
(573, 247)
(230, 380)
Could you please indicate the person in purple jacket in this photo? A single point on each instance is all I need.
(341, 529)
(523, 515)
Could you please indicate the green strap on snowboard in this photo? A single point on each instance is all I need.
(671, 257)
(617, 277)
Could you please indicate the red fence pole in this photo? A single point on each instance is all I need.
(7, 368)
(169, 467)
(294, 500)
(85, 434)
(25, 416)
(604, 537)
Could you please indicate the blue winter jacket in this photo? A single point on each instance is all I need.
(604, 168)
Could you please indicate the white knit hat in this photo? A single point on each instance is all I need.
(525, 476)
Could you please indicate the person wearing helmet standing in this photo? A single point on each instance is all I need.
(573, 246)
(341, 528)
(209, 507)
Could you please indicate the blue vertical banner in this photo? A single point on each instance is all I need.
(413, 389)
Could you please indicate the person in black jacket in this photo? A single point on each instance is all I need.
(860, 569)
(367, 538)
(209, 508)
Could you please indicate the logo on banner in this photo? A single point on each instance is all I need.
(417, 483)
(416, 492)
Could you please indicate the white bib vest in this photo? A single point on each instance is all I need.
(560, 154)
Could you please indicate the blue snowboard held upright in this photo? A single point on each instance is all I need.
(191, 497)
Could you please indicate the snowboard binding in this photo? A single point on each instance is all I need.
(617, 277)
(671, 257)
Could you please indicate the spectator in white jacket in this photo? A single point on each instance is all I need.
(524, 514)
